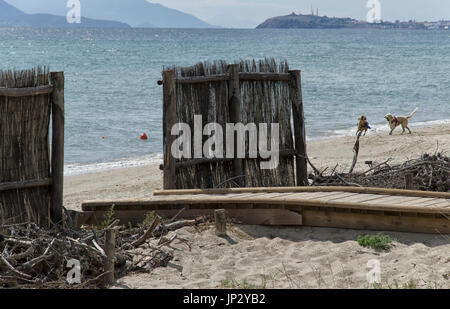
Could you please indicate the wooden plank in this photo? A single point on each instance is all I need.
(318, 218)
(299, 129)
(365, 190)
(270, 195)
(398, 200)
(322, 195)
(169, 120)
(415, 201)
(8, 186)
(359, 198)
(29, 91)
(202, 79)
(385, 200)
(245, 76)
(376, 222)
(278, 217)
(441, 204)
(337, 197)
(234, 108)
(279, 202)
(264, 76)
(57, 164)
(426, 203)
(305, 196)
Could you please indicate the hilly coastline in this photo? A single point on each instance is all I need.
(10, 16)
(136, 13)
(300, 21)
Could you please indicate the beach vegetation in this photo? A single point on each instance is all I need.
(231, 283)
(148, 220)
(378, 242)
(109, 217)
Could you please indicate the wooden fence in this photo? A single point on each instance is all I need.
(31, 173)
(248, 92)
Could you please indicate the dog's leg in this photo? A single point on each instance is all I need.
(392, 129)
(409, 130)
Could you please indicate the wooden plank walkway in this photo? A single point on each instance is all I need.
(341, 207)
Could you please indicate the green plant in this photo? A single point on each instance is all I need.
(379, 241)
(148, 220)
(109, 217)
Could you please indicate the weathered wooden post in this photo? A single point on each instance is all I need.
(409, 181)
(299, 128)
(57, 165)
(169, 119)
(110, 251)
(221, 222)
(234, 99)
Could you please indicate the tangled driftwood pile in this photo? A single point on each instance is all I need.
(427, 173)
(33, 257)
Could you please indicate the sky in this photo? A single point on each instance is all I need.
(250, 13)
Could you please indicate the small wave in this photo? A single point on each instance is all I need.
(78, 169)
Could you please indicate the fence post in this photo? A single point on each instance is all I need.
(234, 99)
(56, 203)
(299, 128)
(169, 119)
(110, 251)
(409, 181)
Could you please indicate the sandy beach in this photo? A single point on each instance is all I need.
(271, 257)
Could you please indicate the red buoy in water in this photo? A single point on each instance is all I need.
(144, 136)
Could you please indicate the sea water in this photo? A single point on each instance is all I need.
(112, 94)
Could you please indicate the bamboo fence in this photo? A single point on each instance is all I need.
(256, 92)
(30, 171)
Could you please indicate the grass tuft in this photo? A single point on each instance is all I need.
(378, 242)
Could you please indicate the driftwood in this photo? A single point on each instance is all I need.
(164, 228)
(426, 173)
(356, 150)
(34, 257)
(148, 233)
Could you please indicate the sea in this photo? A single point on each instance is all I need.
(112, 96)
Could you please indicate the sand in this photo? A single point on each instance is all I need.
(272, 257)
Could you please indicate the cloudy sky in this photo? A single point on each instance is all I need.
(249, 13)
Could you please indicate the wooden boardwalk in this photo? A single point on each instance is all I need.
(341, 207)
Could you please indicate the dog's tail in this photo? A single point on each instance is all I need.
(413, 113)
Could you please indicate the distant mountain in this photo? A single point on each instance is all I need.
(13, 17)
(137, 13)
(294, 21)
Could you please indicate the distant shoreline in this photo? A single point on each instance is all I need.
(300, 21)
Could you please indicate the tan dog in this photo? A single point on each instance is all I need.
(363, 125)
(397, 121)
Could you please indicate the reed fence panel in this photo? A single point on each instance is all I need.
(25, 162)
(259, 92)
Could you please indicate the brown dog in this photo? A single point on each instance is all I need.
(395, 121)
(363, 125)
